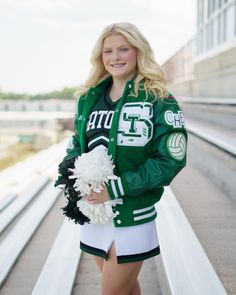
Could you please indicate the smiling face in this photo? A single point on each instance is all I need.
(119, 57)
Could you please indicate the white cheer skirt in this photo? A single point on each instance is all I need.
(132, 243)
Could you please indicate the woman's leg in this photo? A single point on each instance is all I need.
(136, 289)
(99, 261)
(119, 279)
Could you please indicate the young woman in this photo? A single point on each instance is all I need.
(124, 107)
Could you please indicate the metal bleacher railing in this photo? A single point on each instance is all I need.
(222, 141)
(62, 262)
(185, 265)
(204, 130)
(26, 180)
(209, 100)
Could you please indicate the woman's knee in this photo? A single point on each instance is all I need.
(118, 278)
(115, 290)
(123, 290)
(121, 280)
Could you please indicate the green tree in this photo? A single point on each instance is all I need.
(65, 93)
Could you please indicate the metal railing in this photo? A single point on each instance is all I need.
(185, 264)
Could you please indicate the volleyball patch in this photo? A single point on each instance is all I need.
(176, 145)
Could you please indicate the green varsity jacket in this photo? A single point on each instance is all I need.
(148, 145)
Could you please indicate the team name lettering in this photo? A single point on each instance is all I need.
(100, 119)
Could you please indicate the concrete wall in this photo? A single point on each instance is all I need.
(216, 76)
(182, 88)
(211, 77)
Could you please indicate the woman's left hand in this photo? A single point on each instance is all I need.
(98, 198)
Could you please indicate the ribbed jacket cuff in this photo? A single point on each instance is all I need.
(115, 188)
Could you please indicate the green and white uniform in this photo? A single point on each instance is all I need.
(147, 141)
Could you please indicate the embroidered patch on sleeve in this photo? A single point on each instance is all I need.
(176, 145)
(174, 119)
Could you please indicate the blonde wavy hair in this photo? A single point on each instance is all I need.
(149, 71)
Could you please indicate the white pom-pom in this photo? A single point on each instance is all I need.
(97, 213)
(92, 171)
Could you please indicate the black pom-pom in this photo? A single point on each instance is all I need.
(64, 166)
(70, 210)
(64, 172)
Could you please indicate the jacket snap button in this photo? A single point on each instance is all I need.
(119, 221)
(112, 139)
(130, 86)
(117, 212)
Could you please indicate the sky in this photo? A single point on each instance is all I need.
(45, 45)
